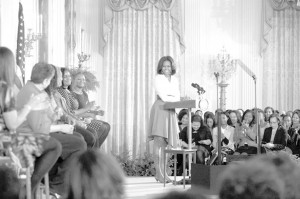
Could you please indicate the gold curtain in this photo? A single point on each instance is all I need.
(135, 40)
(281, 55)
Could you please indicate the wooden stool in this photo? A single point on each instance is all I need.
(184, 152)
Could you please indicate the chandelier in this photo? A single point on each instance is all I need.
(224, 66)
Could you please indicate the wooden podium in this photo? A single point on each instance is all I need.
(187, 104)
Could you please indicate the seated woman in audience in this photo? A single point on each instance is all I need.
(245, 135)
(198, 112)
(209, 120)
(226, 135)
(44, 148)
(293, 134)
(45, 122)
(287, 122)
(183, 118)
(95, 175)
(79, 104)
(268, 111)
(234, 118)
(67, 117)
(201, 138)
(274, 137)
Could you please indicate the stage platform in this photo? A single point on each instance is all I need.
(148, 188)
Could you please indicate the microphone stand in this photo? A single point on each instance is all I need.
(217, 79)
(257, 119)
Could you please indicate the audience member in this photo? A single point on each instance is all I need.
(183, 118)
(182, 195)
(234, 118)
(274, 137)
(44, 148)
(199, 112)
(44, 122)
(94, 175)
(245, 135)
(210, 120)
(201, 138)
(268, 111)
(226, 135)
(293, 134)
(288, 171)
(82, 107)
(251, 180)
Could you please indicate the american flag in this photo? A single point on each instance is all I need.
(20, 55)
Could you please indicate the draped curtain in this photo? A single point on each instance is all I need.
(137, 34)
(281, 50)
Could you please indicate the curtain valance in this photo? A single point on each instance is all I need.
(119, 5)
(172, 6)
(267, 14)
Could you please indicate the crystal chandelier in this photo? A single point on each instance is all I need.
(224, 66)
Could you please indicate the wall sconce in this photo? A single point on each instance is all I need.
(31, 37)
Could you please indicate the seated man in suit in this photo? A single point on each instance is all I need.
(274, 138)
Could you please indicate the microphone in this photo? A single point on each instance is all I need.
(200, 90)
(246, 69)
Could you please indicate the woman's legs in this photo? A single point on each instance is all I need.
(52, 150)
(158, 153)
(88, 134)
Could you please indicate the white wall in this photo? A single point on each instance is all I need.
(209, 25)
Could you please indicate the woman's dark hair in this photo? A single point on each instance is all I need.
(295, 112)
(53, 83)
(161, 62)
(276, 116)
(209, 115)
(41, 71)
(7, 66)
(253, 116)
(63, 71)
(182, 113)
(237, 113)
(265, 111)
(197, 118)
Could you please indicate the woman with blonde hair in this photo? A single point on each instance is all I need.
(95, 175)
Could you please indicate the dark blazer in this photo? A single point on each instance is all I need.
(279, 139)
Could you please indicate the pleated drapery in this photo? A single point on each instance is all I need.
(136, 41)
(281, 55)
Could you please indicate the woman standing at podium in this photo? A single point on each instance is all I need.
(163, 127)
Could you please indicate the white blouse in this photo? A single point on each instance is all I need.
(227, 132)
(167, 90)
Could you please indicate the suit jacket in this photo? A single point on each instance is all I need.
(279, 139)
